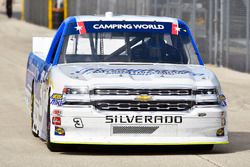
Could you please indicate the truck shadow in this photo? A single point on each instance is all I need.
(239, 141)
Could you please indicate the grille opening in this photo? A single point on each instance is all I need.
(205, 92)
(157, 92)
(144, 106)
(134, 129)
(207, 103)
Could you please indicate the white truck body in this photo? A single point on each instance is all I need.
(121, 103)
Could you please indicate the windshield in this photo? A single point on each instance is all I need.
(122, 46)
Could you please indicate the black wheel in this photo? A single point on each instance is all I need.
(32, 114)
(51, 146)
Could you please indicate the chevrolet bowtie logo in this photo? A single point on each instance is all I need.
(143, 98)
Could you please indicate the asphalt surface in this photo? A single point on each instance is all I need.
(19, 148)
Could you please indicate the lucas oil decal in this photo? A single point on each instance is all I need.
(56, 99)
(139, 119)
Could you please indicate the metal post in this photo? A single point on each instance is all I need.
(65, 6)
(135, 7)
(98, 8)
(215, 31)
(210, 31)
(112, 4)
(167, 8)
(180, 9)
(147, 7)
(227, 32)
(50, 21)
(155, 7)
(193, 18)
(248, 36)
(221, 31)
(78, 7)
(22, 11)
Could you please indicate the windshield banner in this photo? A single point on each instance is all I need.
(123, 26)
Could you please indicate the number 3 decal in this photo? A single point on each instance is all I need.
(78, 122)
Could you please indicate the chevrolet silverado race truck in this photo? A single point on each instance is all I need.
(123, 80)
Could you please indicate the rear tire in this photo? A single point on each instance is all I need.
(32, 113)
(51, 146)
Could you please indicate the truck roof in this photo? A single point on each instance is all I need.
(119, 23)
(126, 18)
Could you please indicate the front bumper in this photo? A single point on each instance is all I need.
(198, 126)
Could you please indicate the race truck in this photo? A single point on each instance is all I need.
(123, 80)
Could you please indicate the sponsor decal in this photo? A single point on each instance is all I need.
(57, 112)
(139, 119)
(224, 103)
(59, 131)
(81, 27)
(56, 96)
(220, 132)
(123, 26)
(175, 29)
(56, 120)
(142, 72)
(128, 26)
(222, 99)
(56, 99)
(223, 119)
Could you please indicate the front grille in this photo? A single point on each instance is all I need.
(156, 92)
(134, 129)
(144, 106)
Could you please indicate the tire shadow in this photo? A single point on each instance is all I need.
(239, 141)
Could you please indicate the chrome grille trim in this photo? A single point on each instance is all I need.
(156, 92)
(144, 106)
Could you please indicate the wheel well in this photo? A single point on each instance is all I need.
(32, 87)
(48, 107)
(48, 115)
(49, 95)
(32, 96)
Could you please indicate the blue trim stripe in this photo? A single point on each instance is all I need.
(63, 34)
(54, 43)
(180, 22)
